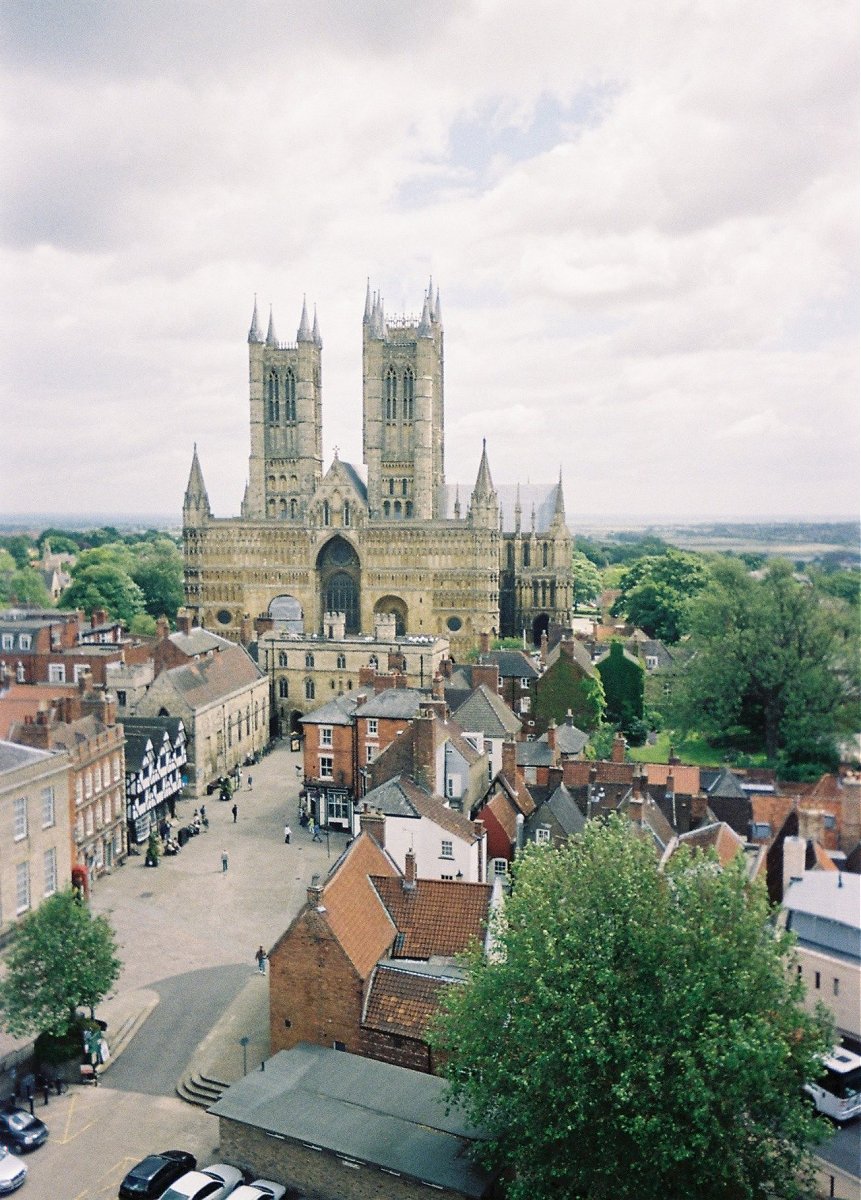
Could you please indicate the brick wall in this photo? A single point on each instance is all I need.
(314, 986)
(316, 1174)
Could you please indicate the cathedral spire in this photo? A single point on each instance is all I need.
(254, 331)
(315, 332)
(484, 488)
(437, 310)
(518, 511)
(367, 317)
(271, 335)
(196, 501)
(559, 510)
(304, 334)
(457, 503)
(425, 329)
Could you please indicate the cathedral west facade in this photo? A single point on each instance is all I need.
(310, 543)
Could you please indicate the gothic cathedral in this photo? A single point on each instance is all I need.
(309, 543)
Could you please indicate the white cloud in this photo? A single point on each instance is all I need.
(643, 222)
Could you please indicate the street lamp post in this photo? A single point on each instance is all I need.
(243, 1042)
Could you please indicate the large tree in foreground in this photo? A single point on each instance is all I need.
(62, 958)
(638, 1035)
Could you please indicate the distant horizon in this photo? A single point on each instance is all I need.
(88, 520)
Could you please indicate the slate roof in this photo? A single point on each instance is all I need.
(534, 754)
(579, 654)
(569, 739)
(512, 664)
(339, 711)
(199, 641)
(394, 703)
(205, 681)
(437, 916)
(485, 712)
(13, 756)
(403, 1002)
(402, 797)
(356, 479)
(726, 786)
(361, 1110)
(155, 727)
(563, 809)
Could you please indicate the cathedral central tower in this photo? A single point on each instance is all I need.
(403, 411)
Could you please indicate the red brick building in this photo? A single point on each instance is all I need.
(362, 966)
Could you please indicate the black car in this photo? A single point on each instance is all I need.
(21, 1132)
(155, 1173)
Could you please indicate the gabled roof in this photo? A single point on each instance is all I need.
(402, 797)
(505, 812)
(512, 664)
(485, 712)
(828, 895)
(339, 711)
(346, 474)
(563, 808)
(204, 681)
(569, 739)
(393, 703)
(13, 756)
(719, 837)
(579, 654)
(199, 641)
(351, 904)
(727, 786)
(437, 916)
(155, 726)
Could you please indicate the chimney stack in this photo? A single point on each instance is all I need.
(484, 642)
(619, 747)
(509, 761)
(245, 630)
(551, 736)
(374, 823)
(409, 871)
(315, 892)
(183, 622)
(162, 629)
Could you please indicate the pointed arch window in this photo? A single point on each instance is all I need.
(403, 487)
(545, 554)
(511, 556)
(282, 658)
(327, 513)
(293, 508)
(409, 392)
(289, 396)
(391, 487)
(387, 508)
(309, 689)
(342, 662)
(391, 394)
(526, 554)
(346, 512)
(282, 689)
(274, 398)
(397, 508)
(408, 508)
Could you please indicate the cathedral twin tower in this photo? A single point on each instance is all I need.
(308, 543)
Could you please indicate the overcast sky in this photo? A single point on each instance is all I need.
(642, 219)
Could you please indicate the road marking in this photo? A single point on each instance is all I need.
(67, 1136)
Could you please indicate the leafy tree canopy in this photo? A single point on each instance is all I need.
(762, 669)
(157, 570)
(656, 593)
(637, 1035)
(587, 579)
(62, 958)
(23, 587)
(104, 585)
(19, 546)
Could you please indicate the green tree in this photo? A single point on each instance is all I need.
(62, 957)
(19, 546)
(157, 570)
(637, 1034)
(763, 667)
(103, 585)
(656, 593)
(624, 683)
(587, 580)
(24, 587)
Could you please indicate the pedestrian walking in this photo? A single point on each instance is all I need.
(249, 783)
(261, 960)
(287, 834)
(224, 861)
(235, 811)
(317, 832)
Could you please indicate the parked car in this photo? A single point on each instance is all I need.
(260, 1189)
(13, 1172)
(149, 1178)
(214, 1182)
(21, 1132)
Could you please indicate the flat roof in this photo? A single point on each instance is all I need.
(363, 1110)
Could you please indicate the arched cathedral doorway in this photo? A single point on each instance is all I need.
(339, 576)
(539, 626)
(286, 612)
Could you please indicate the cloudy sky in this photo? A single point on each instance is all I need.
(642, 218)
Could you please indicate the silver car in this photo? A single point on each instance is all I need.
(214, 1182)
(12, 1171)
(259, 1189)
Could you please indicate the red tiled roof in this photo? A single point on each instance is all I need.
(721, 838)
(686, 779)
(22, 700)
(437, 916)
(501, 807)
(402, 1002)
(353, 909)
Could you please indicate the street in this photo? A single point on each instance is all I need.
(187, 933)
